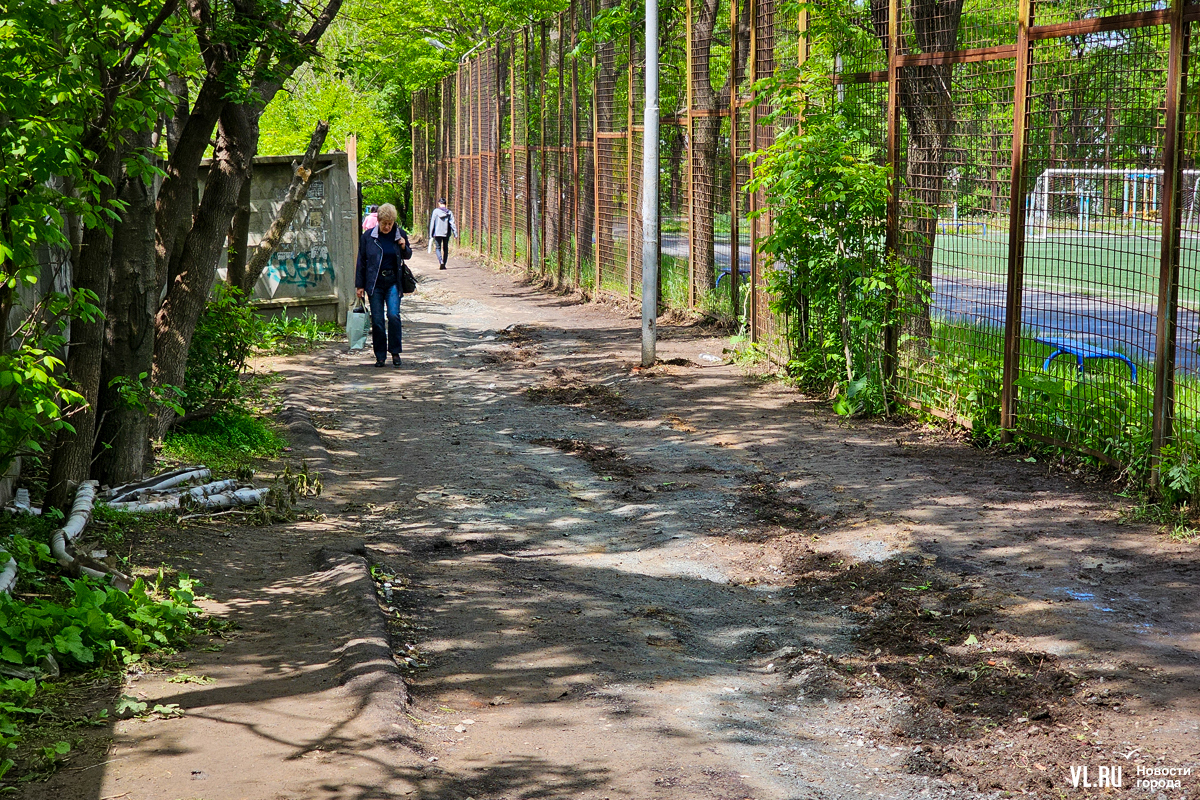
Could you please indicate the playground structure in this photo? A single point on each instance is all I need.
(1044, 167)
(1093, 195)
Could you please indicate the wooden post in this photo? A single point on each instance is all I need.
(1016, 228)
(541, 204)
(559, 152)
(477, 151)
(751, 197)
(460, 122)
(528, 161)
(497, 199)
(1168, 281)
(691, 189)
(595, 163)
(495, 228)
(512, 144)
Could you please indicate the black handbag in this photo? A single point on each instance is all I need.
(408, 281)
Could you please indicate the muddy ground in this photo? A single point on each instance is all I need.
(681, 582)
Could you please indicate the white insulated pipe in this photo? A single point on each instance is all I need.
(242, 497)
(170, 482)
(128, 488)
(210, 496)
(80, 516)
(8, 576)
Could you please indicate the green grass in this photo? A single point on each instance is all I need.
(1119, 265)
(959, 371)
(283, 334)
(225, 442)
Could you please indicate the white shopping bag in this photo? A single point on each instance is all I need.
(358, 323)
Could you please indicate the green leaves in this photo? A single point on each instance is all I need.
(98, 625)
(101, 624)
(834, 283)
(224, 338)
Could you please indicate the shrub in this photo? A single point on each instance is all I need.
(225, 336)
(835, 286)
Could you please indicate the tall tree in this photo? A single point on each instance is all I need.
(189, 246)
(123, 51)
(708, 99)
(925, 100)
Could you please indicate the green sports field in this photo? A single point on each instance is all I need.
(1112, 265)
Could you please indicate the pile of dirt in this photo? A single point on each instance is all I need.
(604, 460)
(510, 355)
(926, 634)
(567, 389)
(519, 334)
(765, 503)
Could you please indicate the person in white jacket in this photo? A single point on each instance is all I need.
(441, 228)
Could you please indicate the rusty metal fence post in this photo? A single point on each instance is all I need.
(1168, 281)
(1016, 230)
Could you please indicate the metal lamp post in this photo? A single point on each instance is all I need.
(650, 191)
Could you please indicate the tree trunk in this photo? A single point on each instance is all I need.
(925, 99)
(924, 95)
(124, 435)
(239, 241)
(296, 193)
(587, 206)
(188, 273)
(71, 460)
(706, 138)
(174, 206)
(190, 285)
(710, 100)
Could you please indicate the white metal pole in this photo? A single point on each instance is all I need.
(650, 169)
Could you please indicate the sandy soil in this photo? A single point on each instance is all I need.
(682, 582)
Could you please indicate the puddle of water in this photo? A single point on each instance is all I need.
(361, 387)
(1075, 594)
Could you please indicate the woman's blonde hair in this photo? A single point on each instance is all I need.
(386, 213)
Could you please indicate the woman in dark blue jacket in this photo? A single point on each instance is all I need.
(381, 251)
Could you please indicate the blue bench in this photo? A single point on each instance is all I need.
(724, 273)
(1081, 350)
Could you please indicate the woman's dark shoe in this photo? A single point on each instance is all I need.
(381, 362)
(396, 360)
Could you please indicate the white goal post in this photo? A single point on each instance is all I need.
(1139, 201)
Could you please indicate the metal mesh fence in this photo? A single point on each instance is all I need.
(1044, 159)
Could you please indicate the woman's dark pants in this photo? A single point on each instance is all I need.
(385, 318)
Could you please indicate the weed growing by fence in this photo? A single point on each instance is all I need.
(284, 335)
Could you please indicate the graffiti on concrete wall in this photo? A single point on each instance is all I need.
(303, 270)
(305, 267)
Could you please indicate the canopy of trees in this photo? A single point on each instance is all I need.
(107, 109)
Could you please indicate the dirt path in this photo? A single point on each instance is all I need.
(673, 583)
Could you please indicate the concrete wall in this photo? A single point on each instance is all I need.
(313, 269)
